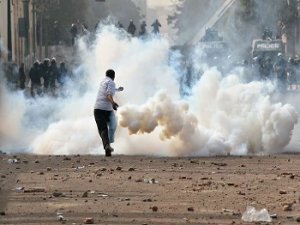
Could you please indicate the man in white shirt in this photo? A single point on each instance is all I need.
(104, 107)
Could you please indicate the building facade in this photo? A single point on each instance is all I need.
(16, 31)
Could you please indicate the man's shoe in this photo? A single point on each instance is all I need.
(108, 150)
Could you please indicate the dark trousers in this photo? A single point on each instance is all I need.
(102, 119)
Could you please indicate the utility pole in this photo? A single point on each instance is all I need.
(34, 29)
(26, 18)
(9, 41)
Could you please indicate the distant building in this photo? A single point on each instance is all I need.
(3, 30)
(21, 38)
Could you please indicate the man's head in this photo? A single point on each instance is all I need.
(110, 73)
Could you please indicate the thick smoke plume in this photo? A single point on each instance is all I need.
(222, 115)
(225, 117)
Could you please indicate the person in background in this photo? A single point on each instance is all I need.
(156, 25)
(22, 76)
(35, 78)
(62, 73)
(74, 33)
(131, 28)
(143, 29)
(45, 74)
(53, 75)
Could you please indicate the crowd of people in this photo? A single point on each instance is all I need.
(131, 29)
(285, 71)
(43, 78)
(79, 29)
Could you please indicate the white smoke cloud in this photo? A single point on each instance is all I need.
(223, 115)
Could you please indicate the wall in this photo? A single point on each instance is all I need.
(3, 29)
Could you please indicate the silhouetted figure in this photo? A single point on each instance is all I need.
(62, 73)
(56, 33)
(45, 73)
(131, 28)
(156, 25)
(280, 69)
(84, 29)
(35, 78)
(120, 25)
(22, 76)
(143, 29)
(267, 34)
(74, 33)
(292, 72)
(53, 75)
(266, 68)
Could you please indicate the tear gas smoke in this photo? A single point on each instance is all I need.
(222, 115)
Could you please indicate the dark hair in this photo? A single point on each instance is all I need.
(111, 74)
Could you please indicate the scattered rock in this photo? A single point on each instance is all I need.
(288, 207)
(49, 168)
(35, 189)
(131, 169)
(154, 208)
(119, 168)
(20, 189)
(274, 216)
(60, 217)
(89, 220)
(85, 194)
(282, 192)
(298, 219)
(57, 194)
(150, 181)
(219, 164)
(2, 213)
(190, 209)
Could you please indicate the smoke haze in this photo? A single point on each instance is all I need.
(223, 115)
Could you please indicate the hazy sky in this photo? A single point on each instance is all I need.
(157, 3)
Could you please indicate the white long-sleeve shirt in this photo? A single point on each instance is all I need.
(107, 87)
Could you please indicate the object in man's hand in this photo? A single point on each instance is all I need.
(115, 106)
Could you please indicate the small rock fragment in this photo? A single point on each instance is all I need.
(190, 209)
(154, 208)
(85, 194)
(89, 220)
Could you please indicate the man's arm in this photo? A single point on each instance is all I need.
(114, 104)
